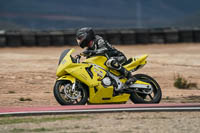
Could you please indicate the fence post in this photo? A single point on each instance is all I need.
(28, 38)
(2, 38)
(128, 36)
(156, 36)
(171, 35)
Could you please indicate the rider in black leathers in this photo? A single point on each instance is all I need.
(96, 45)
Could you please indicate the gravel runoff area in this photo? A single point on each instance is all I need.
(27, 76)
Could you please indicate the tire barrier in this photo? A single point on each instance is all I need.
(171, 35)
(13, 38)
(114, 36)
(196, 33)
(2, 39)
(28, 38)
(156, 36)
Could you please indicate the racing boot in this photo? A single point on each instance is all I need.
(128, 75)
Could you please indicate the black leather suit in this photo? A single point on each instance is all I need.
(115, 58)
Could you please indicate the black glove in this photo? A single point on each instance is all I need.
(77, 56)
(87, 52)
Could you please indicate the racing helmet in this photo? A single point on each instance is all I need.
(84, 36)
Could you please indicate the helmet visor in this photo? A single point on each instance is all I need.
(79, 41)
(80, 38)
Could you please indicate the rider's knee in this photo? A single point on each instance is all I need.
(113, 64)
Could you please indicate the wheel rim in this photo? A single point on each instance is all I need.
(154, 93)
(65, 94)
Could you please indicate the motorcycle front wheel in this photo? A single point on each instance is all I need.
(141, 98)
(65, 96)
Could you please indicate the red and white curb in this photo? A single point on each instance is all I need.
(98, 109)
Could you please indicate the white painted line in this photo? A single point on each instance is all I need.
(165, 109)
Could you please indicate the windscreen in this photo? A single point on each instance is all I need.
(63, 54)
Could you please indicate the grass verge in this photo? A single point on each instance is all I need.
(20, 130)
(10, 120)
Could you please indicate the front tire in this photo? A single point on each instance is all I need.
(154, 97)
(63, 99)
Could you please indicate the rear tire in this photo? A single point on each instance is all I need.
(154, 97)
(63, 99)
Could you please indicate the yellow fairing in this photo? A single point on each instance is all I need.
(86, 73)
(99, 94)
(64, 63)
(98, 60)
(81, 70)
(67, 77)
(136, 62)
(92, 75)
(105, 95)
(131, 66)
(141, 82)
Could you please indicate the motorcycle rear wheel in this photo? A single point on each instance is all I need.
(62, 98)
(154, 97)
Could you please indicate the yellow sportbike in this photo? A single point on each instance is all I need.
(92, 82)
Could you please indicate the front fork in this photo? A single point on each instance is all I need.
(73, 86)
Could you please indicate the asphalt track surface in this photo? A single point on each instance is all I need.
(17, 111)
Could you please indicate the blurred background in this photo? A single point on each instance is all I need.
(33, 33)
(64, 14)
